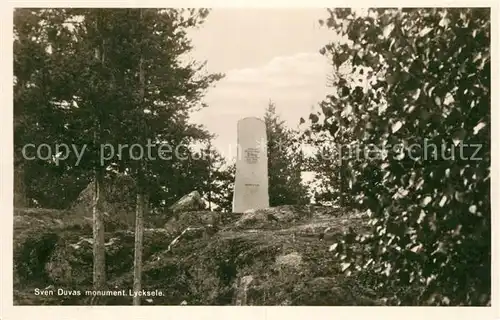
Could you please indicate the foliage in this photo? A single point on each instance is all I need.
(414, 85)
(321, 159)
(284, 162)
(76, 71)
(218, 188)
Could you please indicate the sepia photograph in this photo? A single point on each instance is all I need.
(252, 156)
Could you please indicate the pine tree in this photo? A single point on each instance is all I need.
(284, 162)
(78, 80)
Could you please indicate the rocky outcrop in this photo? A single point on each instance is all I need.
(203, 258)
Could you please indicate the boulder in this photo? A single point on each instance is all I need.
(242, 290)
(292, 260)
(189, 202)
(260, 217)
(119, 200)
(280, 215)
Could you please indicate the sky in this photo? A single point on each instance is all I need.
(265, 54)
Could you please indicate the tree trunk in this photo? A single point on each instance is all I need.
(141, 191)
(139, 234)
(99, 251)
(343, 185)
(210, 168)
(341, 166)
(99, 271)
(19, 186)
(20, 199)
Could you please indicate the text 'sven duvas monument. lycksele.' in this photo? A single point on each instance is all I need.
(251, 181)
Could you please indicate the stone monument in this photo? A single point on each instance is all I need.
(251, 180)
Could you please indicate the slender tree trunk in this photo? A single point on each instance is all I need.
(99, 271)
(20, 200)
(341, 186)
(341, 166)
(99, 252)
(141, 205)
(139, 231)
(210, 168)
(139, 234)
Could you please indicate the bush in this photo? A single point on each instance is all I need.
(417, 77)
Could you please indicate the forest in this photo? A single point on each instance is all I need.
(411, 77)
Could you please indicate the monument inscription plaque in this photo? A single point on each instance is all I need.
(251, 180)
(252, 155)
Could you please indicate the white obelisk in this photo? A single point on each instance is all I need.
(251, 180)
